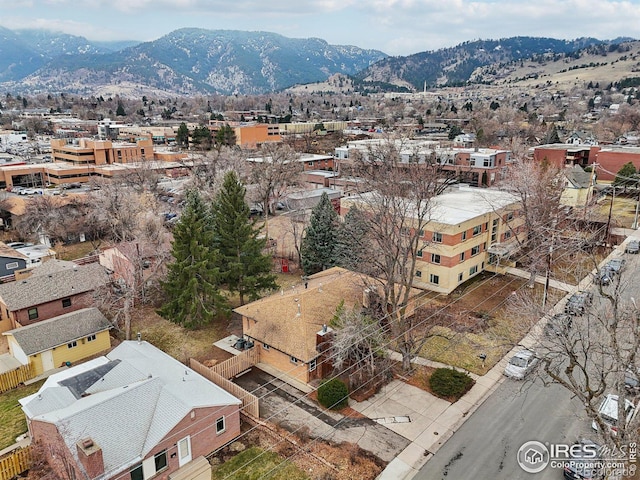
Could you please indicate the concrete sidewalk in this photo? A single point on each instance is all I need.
(540, 279)
(433, 420)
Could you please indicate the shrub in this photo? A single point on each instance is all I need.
(333, 394)
(447, 382)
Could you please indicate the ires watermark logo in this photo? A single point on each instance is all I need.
(584, 459)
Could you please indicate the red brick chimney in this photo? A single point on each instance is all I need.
(90, 456)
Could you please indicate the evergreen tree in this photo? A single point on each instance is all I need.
(182, 137)
(552, 135)
(318, 245)
(246, 269)
(352, 241)
(626, 176)
(226, 136)
(120, 110)
(192, 288)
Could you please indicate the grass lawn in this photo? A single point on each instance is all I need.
(73, 251)
(255, 463)
(12, 419)
(494, 335)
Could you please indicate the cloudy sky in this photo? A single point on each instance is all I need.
(397, 27)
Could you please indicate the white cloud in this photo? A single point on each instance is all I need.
(394, 26)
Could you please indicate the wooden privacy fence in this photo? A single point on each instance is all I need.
(10, 380)
(249, 401)
(15, 463)
(238, 364)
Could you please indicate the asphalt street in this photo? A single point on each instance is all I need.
(486, 445)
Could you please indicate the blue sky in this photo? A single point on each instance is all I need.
(397, 27)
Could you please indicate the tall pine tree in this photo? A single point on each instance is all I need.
(192, 288)
(245, 268)
(352, 242)
(318, 245)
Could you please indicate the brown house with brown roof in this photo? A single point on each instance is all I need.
(291, 328)
(55, 288)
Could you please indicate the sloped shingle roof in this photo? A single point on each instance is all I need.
(48, 334)
(45, 287)
(139, 394)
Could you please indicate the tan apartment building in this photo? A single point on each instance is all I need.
(470, 230)
(249, 134)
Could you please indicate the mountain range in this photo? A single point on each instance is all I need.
(199, 61)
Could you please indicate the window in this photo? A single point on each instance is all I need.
(435, 279)
(72, 344)
(486, 226)
(460, 277)
(421, 233)
(312, 365)
(265, 346)
(419, 254)
(33, 313)
(91, 338)
(160, 460)
(293, 359)
(475, 250)
(509, 216)
(136, 472)
(495, 222)
(12, 265)
(437, 237)
(435, 258)
(507, 235)
(462, 257)
(66, 302)
(464, 235)
(473, 270)
(220, 426)
(418, 273)
(477, 230)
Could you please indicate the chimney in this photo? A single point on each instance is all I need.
(90, 456)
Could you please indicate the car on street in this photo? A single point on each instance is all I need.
(633, 247)
(615, 265)
(559, 324)
(605, 275)
(521, 364)
(583, 456)
(578, 303)
(608, 412)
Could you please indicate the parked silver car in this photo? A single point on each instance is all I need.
(521, 364)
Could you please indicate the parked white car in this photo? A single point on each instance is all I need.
(521, 364)
(608, 411)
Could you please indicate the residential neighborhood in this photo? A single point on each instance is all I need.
(346, 279)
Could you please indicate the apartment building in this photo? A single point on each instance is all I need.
(470, 230)
(249, 134)
(476, 166)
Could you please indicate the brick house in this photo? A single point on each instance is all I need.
(132, 262)
(291, 328)
(133, 414)
(68, 338)
(55, 288)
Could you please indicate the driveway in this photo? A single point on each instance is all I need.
(284, 405)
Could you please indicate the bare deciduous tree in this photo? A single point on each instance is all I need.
(397, 199)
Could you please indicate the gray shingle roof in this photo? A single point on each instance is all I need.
(48, 334)
(137, 402)
(46, 287)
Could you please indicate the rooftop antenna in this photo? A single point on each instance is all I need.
(139, 336)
